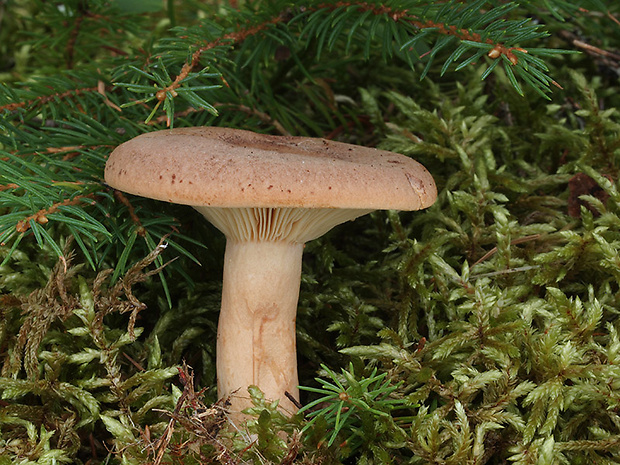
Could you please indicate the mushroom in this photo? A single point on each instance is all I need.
(268, 195)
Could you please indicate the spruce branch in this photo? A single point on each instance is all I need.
(325, 26)
(481, 32)
(37, 199)
(41, 100)
(230, 38)
(42, 216)
(166, 88)
(201, 72)
(360, 406)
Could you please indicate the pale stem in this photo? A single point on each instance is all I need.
(256, 331)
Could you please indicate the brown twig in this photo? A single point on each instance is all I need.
(70, 151)
(597, 52)
(43, 99)
(68, 148)
(592, 50)
(75, 32)
(72, 40)
(133, 362)
(493, 251)
(613, 18)
(41, 216)
(132, 212)
(101, 89)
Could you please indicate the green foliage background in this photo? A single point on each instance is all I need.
(482, 330)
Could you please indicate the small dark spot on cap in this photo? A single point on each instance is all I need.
(270, 187)
(288, 190)
(330, 188)
(160, 176)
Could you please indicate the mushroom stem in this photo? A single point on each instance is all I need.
(256, 331)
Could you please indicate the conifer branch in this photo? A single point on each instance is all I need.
(406, 16)
(482, 33)
(41, 216)
(230, 38)
(44, 99)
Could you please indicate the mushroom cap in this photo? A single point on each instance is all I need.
(224, 167)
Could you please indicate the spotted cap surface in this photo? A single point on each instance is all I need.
(224, 167)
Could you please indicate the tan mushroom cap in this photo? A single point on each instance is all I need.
(224, 167)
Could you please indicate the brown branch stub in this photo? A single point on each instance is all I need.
(101, 89)
(72, 40)
(132, 212)
(500, 50)
(41, 216)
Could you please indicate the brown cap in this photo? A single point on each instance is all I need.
(223, 167)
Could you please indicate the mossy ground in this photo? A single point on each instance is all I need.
(483, 330)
